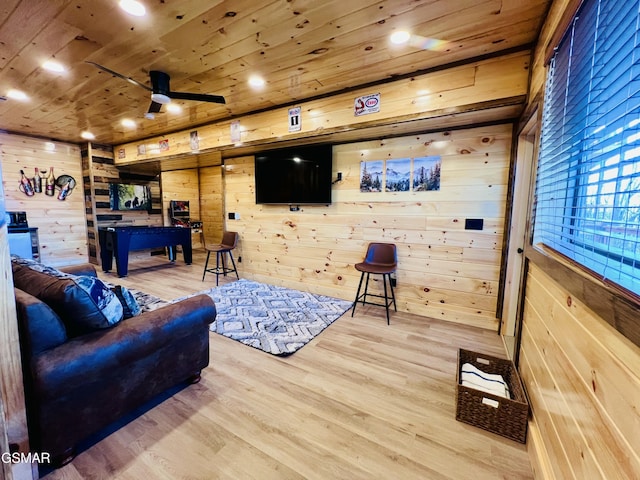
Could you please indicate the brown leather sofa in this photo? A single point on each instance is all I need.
(75, 386)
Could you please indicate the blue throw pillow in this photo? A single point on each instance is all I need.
(127, 300)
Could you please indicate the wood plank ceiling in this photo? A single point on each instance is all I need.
(302, 48)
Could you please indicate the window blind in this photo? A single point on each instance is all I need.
(587, 203)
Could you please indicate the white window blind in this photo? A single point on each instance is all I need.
(588, 185)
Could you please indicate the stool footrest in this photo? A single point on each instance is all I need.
(220, 270)
(362, 299)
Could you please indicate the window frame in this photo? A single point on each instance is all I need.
(613, 303)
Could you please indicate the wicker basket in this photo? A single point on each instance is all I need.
(506, 417)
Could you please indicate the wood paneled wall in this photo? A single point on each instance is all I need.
(61, 224)
(212, 209)
(203, 188)
(99, 171)
(182, 185)
(581, 375)
(444, 270)
(583, 381)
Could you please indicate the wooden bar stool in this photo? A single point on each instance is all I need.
(228, 243)
(381, 259)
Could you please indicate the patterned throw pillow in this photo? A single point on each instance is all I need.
(127, 300)
(84, 303)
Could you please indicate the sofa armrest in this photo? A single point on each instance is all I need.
(87, 269)
(103, 353)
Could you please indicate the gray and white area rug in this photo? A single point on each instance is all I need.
(274, 319)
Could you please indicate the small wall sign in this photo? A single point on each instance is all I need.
(295, 119)
(235, 131)
(194, 141)
(121, 153)
(366, 104)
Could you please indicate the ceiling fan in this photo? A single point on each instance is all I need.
(161, 91)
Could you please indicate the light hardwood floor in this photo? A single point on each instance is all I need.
(363, 400)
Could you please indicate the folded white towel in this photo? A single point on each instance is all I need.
(494, 384)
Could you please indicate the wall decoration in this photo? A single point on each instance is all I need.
(31, 186)
(366, 104)
(50, 183)
(122, 153)
(235, 131)
(398, 175)
(25, 185)
(129, 197)
(426, 173)
(164, 145)
(371, 176)
(194, 141)
(142, 149)
(295, 119)
(66, 184)
(37, 180)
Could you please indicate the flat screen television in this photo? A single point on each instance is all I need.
(294, 176)
(124, 196)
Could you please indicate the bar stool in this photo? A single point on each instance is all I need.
(228, 243)
(381, 259)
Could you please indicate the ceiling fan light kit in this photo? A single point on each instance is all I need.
(160, 98)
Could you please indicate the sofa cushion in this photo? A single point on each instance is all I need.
(84, 303)
(40, 328)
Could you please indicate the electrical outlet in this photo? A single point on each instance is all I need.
(240, 259)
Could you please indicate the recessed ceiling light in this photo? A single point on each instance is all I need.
(87, 135)
(17, 94)
(256, 81)
(53, 66)
(133, 7)
(127, 122)
(400, 37)
(174, 108)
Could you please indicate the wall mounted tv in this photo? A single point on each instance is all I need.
(294, 176)
(124, 196)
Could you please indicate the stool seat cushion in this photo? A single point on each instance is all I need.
(375, 268)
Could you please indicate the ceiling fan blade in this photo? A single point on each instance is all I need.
(154, 107)
(198, 97)
(119, 75)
